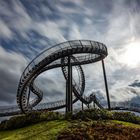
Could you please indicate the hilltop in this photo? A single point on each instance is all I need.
(88, 124)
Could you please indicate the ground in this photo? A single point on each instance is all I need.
(41, 131)
(75, 129)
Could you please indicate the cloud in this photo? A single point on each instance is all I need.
(50, 30)
(32, 27)
(11, 67)
(15, 17)
(136, 83)
(5, 31)
(52, 83)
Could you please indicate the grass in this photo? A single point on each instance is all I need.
(125, 123)
(41, 131)
(74, 129)
(101, 129)
(88, 124)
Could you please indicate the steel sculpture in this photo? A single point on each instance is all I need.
(66, 56)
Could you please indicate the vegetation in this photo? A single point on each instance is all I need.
(28, 119)
(99, 130)
(89, 124)
(98, 114)
(39, 131)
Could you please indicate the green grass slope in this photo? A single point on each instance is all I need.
(101, 130)
(40, 131)
(90, 124)
(74, 130)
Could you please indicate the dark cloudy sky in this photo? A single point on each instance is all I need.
(29, 26)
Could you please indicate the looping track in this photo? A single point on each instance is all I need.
(81, 52)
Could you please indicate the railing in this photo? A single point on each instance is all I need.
(61, 46)
(56, 52)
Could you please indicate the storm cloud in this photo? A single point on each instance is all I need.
(28, 27)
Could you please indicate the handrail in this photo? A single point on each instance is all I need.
(47, 59)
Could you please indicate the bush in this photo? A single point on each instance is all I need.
(21, 121)
(2, 124)
(68, 116)
(51, 116)
(94, 114)
(126, 116)
(101, 114)
(28, 119)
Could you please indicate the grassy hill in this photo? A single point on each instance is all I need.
(88, 125)
(40, 131)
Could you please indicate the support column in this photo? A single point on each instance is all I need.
(88, 106)
(93, 105)
(69, 87)
(106, 86)
(82, 106)
(66, 96)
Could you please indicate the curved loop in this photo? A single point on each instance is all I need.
(83, 52)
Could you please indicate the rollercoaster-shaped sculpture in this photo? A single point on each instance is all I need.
(64, 55)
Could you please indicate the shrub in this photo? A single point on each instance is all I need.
(126, 116)
(102, 114)
(2, 124)
(27, 119)
(68, 116)
(93, 114)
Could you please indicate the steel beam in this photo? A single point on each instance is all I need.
(66, 95)
(106, 85)
(69, 87)
(35, 68)
(93, 104)
(82, 105)
(88, 105)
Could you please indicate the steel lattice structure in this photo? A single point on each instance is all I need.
(64, 55)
